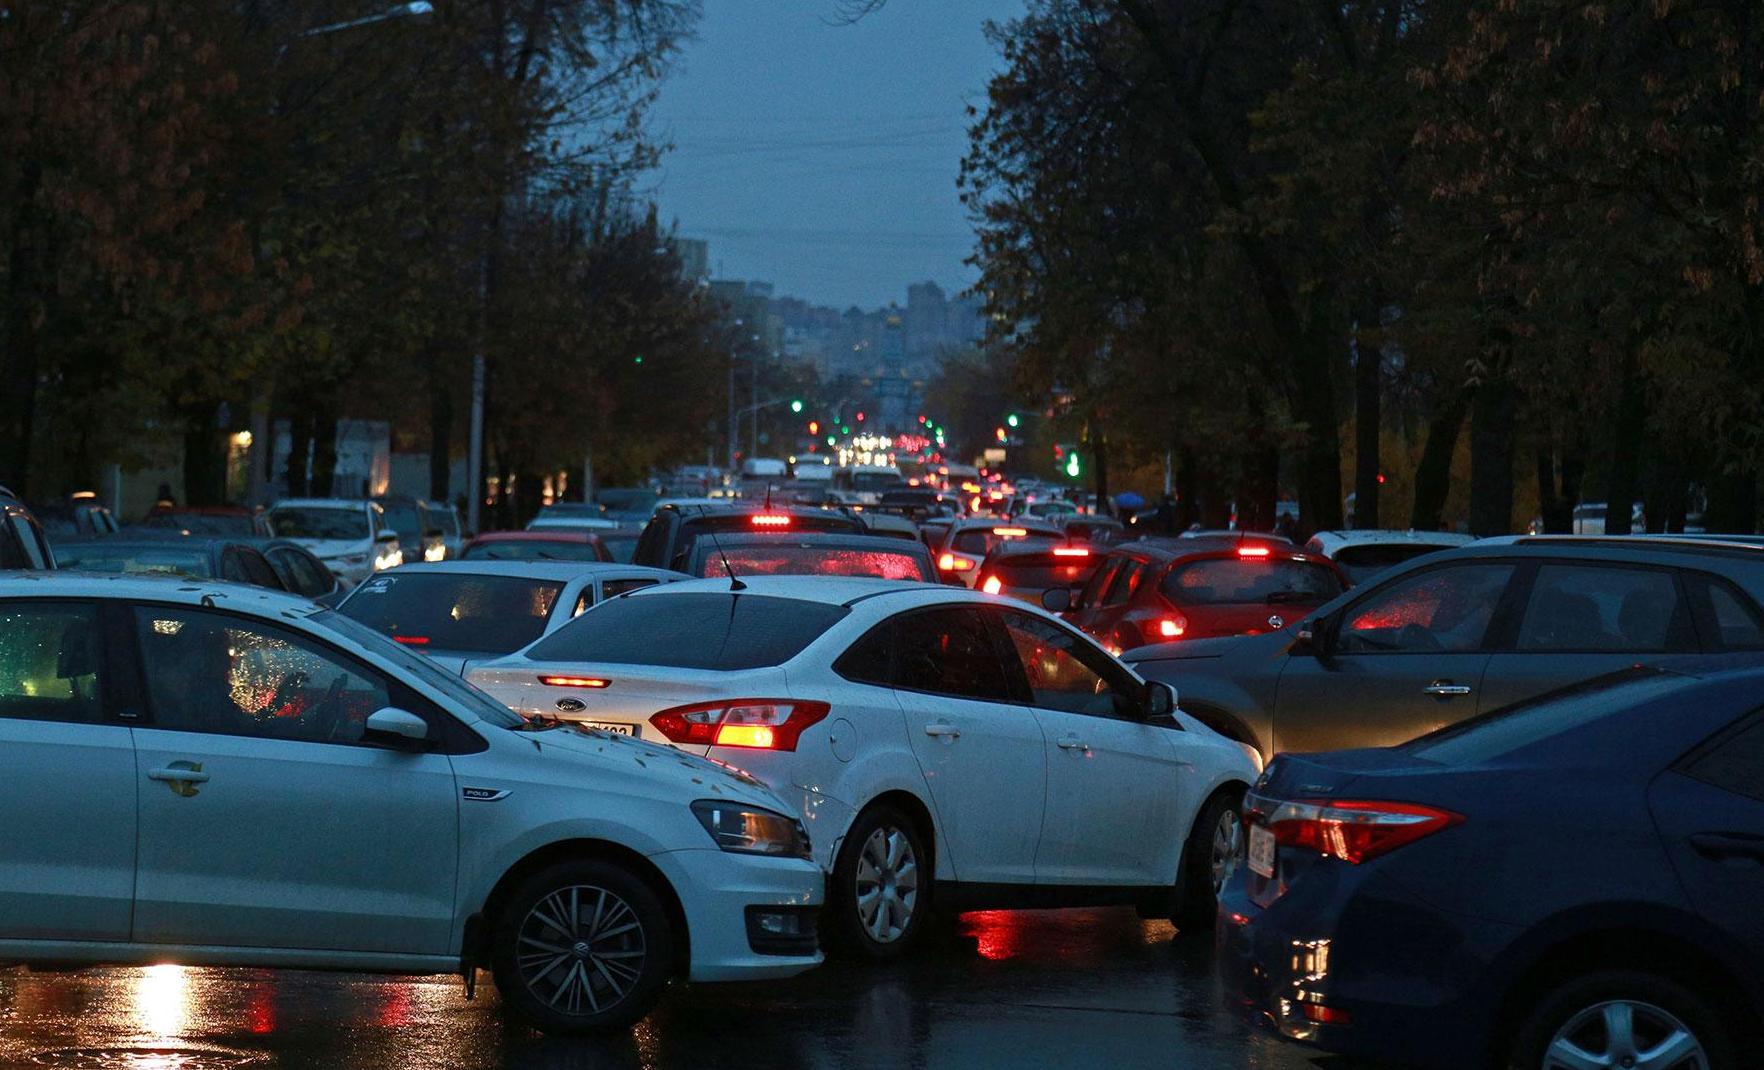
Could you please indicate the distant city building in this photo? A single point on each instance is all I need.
(694, 254)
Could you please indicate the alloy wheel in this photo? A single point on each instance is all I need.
(887, 884)
(1227, 845)
(580, 949)
(1625, 1035)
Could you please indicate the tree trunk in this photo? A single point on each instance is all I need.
(1433, 475)
(1491, 459)
(1733, 502)
(1258, 489)
(299, 466)
(1320, 467)
(1368, 420)
(1630, 428)
(205, 459)
(440, 439)
(1099, 468)
(27, 279)
(1187, 506)
(324, 453)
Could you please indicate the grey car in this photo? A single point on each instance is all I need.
(1467, 631)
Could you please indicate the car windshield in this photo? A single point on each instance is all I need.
(1250, 580)
(620, 545)
(318, 522)
(696, 630)
(1512, 728)
(628, 500)
(1044, 571)
(403, 518)
(980, 541)
(201, 523)
(1361, 563)
(814, 561)
(105, 556)
(454, 611)
(449, 684)
(531, 550)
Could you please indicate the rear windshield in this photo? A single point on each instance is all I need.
(1504, 731)
(1044, 570)
(143, 560)
(711, 630)
(1241, 581)
(980, 541)
(620, 546)
(628, 501)
(448, 611)
(318, 522)
(801, 560)
(201, 524)
(405, 520)
(530, 550)
(700, 526)
(1361, 563)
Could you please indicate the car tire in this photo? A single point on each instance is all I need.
(1213, 850)
(1580, 1012)
(582, 947)
(868, 893)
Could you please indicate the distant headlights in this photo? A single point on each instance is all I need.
(391, 557)
(435, 551)
(750, 830)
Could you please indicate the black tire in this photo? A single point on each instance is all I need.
(632, 927)
(853, 887)
(1581, 998)
(1196, 900)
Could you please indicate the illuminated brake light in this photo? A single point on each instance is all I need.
(769, 520)
(1252, 551)
(1172, 627)
(574, 681)
(992, 585)
(1011, 533)
(1070, 551)
(952, 563)
(412, 640)
(1317, 1012)
(753, 723)
(1355, 832)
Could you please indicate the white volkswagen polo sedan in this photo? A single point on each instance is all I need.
(220, 775)
(933, 737)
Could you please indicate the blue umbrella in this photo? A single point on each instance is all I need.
(1129, 500)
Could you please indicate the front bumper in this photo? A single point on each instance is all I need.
(717, 890)
(1352, 963)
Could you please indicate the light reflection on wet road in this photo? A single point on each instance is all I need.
(1046, 988)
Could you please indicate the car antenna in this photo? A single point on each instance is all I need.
(735, 583)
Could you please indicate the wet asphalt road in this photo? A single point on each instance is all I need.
(1091, 988)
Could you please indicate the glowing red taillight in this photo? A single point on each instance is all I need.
(754, 723)
(575, 681)
(1071, 551)
(1355, 831)
(1252, 551)
(769, 520)
(1172, 627)
(952, 563)
(412, 640)
(991, 585)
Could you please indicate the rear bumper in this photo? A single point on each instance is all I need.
(1353, 964)
(719, 891)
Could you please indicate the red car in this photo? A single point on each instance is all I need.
(1161, 590)
(541, 545)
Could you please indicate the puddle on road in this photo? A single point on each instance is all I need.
(142, 1058)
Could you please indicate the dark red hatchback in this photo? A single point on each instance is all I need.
(1160, 590)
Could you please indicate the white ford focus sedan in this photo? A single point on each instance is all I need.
(940, 744)
(219, 775)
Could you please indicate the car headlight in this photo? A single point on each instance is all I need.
(751, 830)
(435, 551)
(348, 560)
(390, 559)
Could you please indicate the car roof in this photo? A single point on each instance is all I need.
(1030, 522)
(828, 590)
(1167, 548)
(202, 510)
(178, 589)
(332, 503)
(545, 534)
(1331, 541)
(562, 571)
(1609, 547)
(810, 538)
(160, 537)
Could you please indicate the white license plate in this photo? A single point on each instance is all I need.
(613, 726)
(1261, 851)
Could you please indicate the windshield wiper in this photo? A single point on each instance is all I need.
(538, 722)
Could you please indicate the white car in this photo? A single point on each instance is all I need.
(459, 613)
(350, 535)
(966, 543)
(931, 737)
(1363, 553)
(213, 775)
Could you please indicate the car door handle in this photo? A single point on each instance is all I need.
(943, 728)
(1720, 845)
(1445, 689)
(188, 776)
(1071, 743)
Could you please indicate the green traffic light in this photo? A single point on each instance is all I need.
(796, 406)
(1011, 420)
(831, 441)
(1072, 467)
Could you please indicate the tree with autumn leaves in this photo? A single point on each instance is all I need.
(210, 209)
(1322, 246)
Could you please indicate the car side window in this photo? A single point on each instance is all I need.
(1440, 609)
(258, 571)
(870, 660)
(210, 672)
(1734, 764)
(1065, 673)
(308, 578)
(1600, 608)
(233, 567)
(1099, 582)
(949, 651)
(614, 588)
(1126, 581)
(50, 662)
(1732, 618)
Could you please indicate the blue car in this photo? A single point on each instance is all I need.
(1571, 883)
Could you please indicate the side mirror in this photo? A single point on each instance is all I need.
(1311, 638)
(395, 727)
(1160, 701)
(385, 537)
(1056, 599)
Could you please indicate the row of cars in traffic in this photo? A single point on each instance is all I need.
(1502, 801)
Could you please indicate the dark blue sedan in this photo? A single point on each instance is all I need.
(1572, 883)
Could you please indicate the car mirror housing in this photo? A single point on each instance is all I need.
(396, 727)
(1311, 638)
(1056, 600)
(1160, 701)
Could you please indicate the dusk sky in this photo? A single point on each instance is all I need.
(822, 157)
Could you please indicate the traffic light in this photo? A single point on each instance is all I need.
(860, 417)
(1073, 467)
(1000, 434)
(814, 427)
(1011, 420)
(796, 405)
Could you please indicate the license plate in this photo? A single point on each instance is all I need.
(613, 726)
(1261, 851)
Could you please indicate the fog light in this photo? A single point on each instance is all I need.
(782, 930)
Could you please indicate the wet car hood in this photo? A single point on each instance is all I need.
(1221, 646)
(666, 767)
(331, 548)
